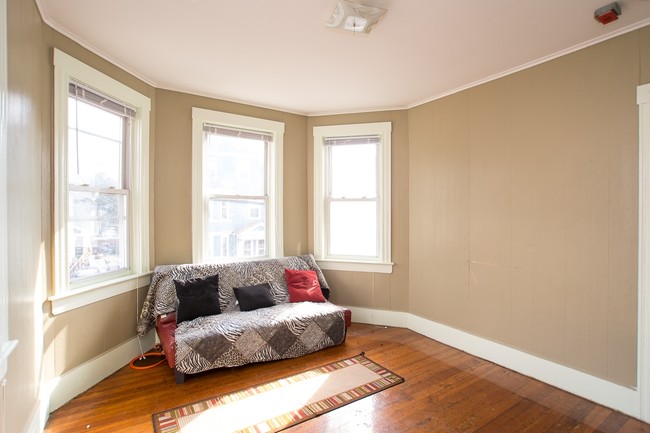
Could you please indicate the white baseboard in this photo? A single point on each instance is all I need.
(592, 388)
(379, 317)
(72, 383)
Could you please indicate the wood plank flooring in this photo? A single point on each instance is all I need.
(446, 390)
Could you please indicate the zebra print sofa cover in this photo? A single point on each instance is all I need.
(234, 337)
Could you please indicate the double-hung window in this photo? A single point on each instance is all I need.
(237, 185)
(352, 197)
(101, 185)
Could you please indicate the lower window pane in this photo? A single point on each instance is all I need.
(353, 228)
(97, 234)
(236, 228)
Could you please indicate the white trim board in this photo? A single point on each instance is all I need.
(592, 388)
(72, 383)
(643, 342)
(64, 302)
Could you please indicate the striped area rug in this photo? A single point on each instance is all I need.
(279, 404)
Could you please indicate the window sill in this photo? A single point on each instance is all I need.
(97, 292)
(340, 265)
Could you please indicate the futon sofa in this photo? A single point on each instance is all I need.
(225, 315)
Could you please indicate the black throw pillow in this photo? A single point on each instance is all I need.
(197, 297)
(254, 297)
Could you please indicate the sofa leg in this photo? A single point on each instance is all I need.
(180, 377)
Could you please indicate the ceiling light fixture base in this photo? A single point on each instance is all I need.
(354, 17)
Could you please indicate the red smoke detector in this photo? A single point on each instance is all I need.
(608, 13)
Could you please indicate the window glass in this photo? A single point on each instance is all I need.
(353, 228)
(236, 187)
(236, 181)
(97, 227)
(239, 229)
(353, 170)
(96, 234)
(351, 223)
(235, 166)
(95, 146)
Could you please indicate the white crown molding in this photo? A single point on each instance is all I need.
(46, 19)
(233, 100)
(536, 62)
(357, 111)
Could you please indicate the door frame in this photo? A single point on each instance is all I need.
(643, 351)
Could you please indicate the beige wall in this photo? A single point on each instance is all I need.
(173, 179)
(28, 222)
(523, 208)
(368, 289)
(644, 57)
(48, 345)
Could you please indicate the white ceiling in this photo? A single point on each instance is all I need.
(279, 54)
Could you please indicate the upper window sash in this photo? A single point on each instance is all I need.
(345, 191)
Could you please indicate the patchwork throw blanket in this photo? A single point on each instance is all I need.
(234, 337)
(267, 334)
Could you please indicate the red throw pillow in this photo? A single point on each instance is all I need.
(303, 286)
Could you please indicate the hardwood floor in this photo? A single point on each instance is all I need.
(446, 390)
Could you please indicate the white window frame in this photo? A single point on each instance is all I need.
(383, 263)
(274, 221)
(68, 296)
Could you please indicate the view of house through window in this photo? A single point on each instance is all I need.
(98, 195)
(236, 187)
(236, 182)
